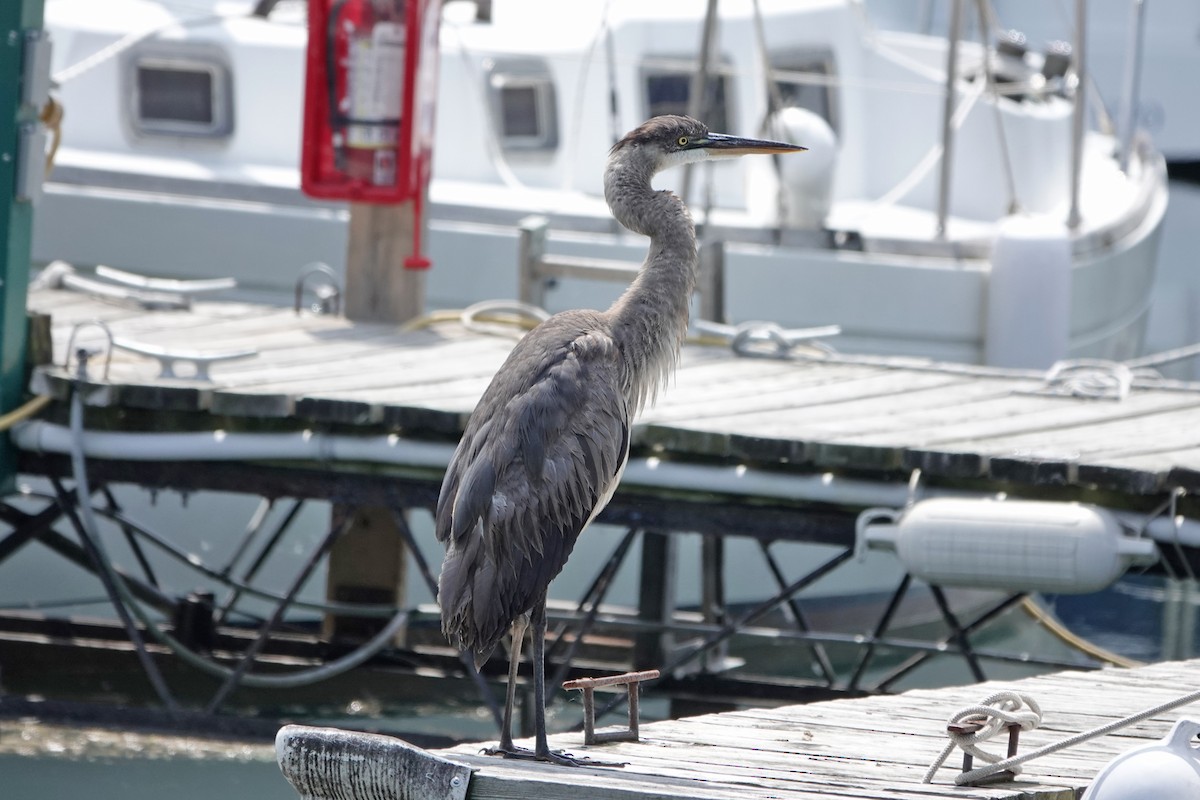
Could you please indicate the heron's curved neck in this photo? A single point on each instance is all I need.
(649, 321)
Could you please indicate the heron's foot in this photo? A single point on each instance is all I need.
(508, 750)
(551, 756)
(568, 760)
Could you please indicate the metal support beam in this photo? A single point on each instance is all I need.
(1079, 112)
(656, 598)
(820, 656)
(958, 633)
(880, 628)
(264, 633)
(940, 647)
(131, 630)
(591, 599)
(26, 527)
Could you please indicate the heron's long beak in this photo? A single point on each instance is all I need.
(719, 145)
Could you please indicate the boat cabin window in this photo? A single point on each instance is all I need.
(805, 80)
(669, 90)
(523, 105)
(179, 95)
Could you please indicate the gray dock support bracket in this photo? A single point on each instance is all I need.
(333, 764)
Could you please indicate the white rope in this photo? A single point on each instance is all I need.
(127, 41)
(973, 776)
(1002, 709)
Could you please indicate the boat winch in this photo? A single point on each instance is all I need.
(1017, 545)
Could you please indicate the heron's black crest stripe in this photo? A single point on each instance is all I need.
(668, 127)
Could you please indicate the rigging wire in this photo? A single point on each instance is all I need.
(127, 601)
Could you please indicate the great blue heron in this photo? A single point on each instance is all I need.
(545, 448)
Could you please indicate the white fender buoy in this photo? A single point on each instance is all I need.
(1166, 770)
(1017, 545)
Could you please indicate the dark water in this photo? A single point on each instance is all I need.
(1148, 618)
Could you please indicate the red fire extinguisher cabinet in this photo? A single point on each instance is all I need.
(370, 87)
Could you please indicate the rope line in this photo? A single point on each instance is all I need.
(1064, 634)
(972, 776)
(998, 711)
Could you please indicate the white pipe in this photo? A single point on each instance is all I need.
(747, 481)
(42, 437)
(39, 436)
(1162, 528)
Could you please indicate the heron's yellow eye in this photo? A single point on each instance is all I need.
(682, 141)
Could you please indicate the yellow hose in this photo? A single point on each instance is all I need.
(431, 319)
(1056, 628)
(24, 412)
(52, 117)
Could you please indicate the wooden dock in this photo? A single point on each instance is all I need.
(1114, 429)
(786, 450)
(877, 748)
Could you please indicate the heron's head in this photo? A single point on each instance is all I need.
(670, 140)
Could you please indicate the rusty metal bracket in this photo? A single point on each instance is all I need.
(632, 683)
(970, 725)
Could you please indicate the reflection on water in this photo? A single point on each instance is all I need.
(1149, 618)
(49, 762)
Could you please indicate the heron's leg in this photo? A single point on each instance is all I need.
(542, 751)
(541, 747)
(519, 626)
(506, 746)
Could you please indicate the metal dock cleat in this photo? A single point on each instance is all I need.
(632, 682)
(974, 724)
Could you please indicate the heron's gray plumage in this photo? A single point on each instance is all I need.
(531, 469)
(544, 449)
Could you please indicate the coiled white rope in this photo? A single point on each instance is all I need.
(973, 776)
(998, 712)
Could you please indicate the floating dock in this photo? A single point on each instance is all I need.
(1105, 427)
(786, 448)
(877, 747)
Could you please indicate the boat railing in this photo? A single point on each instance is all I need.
(538, 270)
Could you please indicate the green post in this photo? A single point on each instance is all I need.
(20, 20)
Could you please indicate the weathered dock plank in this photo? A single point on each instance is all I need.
(877, 748)
(881, 747)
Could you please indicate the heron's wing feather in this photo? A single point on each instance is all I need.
(540, 457)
